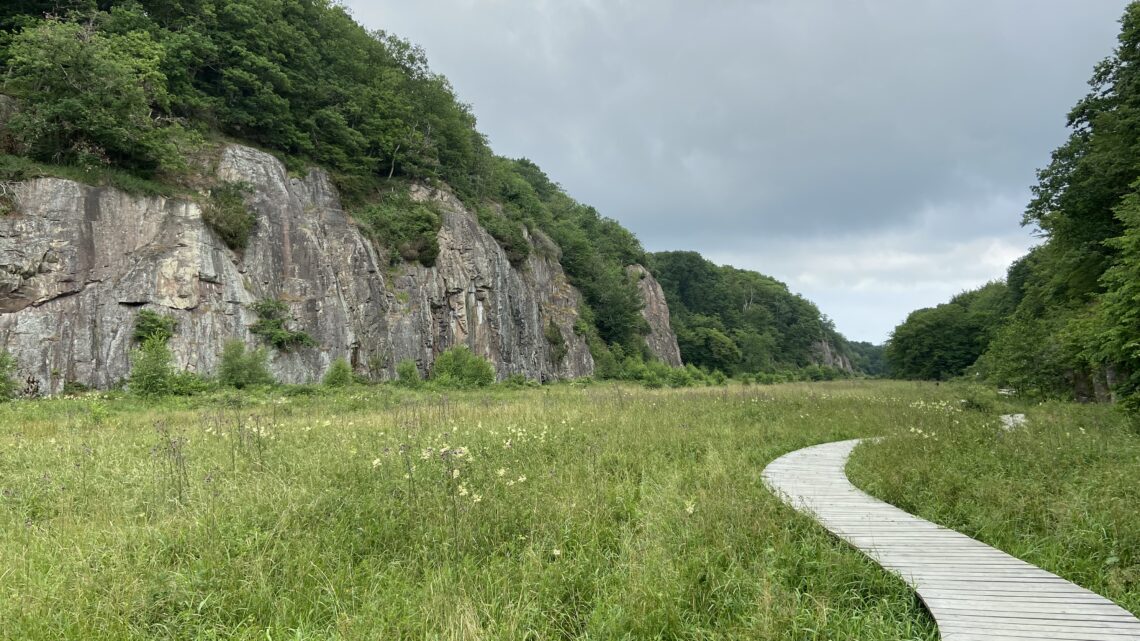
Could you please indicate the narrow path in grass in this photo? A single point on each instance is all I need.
(974, 591)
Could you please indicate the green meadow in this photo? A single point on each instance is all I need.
(562, 512)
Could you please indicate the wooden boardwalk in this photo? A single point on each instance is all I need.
(975, 592)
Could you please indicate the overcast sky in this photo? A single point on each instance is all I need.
(875, 155)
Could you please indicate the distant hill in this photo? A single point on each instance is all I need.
(740, 321)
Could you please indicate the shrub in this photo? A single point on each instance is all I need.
(679, 377)
(458, 367)
(407, 227)
(339, 374)
(241, 369)
(150, 324)
(271, 326)
(407, 374)
(74, 388)
(8, 383)
(518, 381)
(152, 371)
(188, 384)
(508, 233)
(226, 213)
(697, 375)
(558, 347)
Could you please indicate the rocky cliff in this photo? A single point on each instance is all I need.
(78, 262)
(662, 341)
(829, 355)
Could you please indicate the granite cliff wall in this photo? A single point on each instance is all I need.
(662, 340)
(77, 263)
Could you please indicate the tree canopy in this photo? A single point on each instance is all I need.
(739, 321)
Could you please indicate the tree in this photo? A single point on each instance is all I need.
(152, 371)
(934, 344)
(1118, 316)
(710, 348)
(339, 374)
(243, 369)
(89, 97)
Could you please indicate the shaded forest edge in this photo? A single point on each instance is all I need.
(138, 95)
(1065, 321)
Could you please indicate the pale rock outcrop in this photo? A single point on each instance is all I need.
(829, 355)
(78, 262)
(662, 341)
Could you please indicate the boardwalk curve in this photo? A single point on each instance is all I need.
(975, 592)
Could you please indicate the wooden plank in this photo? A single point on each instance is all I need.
(972, 590)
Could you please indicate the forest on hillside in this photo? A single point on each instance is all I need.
(1066, 320)
(134, 93)
(740, 321)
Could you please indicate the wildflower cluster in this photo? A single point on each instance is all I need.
(918, 431)
(944, 407)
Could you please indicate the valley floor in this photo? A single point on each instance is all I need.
(566, 512)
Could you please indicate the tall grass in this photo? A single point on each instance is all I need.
(598, 512)
(1062, 492)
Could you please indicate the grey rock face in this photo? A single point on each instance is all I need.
(78, 262)
(827, 355)
(474, 297)
(662, 341)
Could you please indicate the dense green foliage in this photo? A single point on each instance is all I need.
(241, 368)
(868, 358)
(739, 321)
(339, 374)
(227, 214)
(459, 368)
(406, 227)
(407, 374)
(1066, 324)
(272, 326)
(298, 76)
(8, 383)
(1118, 316)
(152, 369)
(149, 324)
(89, 92)
(939, 343)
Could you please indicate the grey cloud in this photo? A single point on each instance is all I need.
(724, 124)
